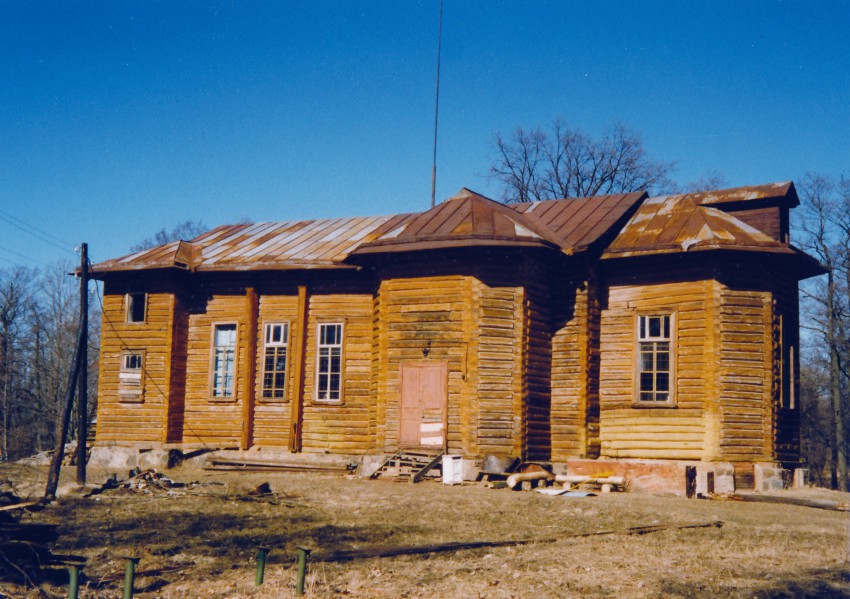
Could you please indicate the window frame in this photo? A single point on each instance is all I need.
(131, 392)
(287, 328)
(129, 305)
(670, 402)
(319, 345)
(214, 327)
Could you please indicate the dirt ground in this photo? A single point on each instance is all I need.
(203, 540)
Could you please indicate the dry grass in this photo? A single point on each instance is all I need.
(763, 550)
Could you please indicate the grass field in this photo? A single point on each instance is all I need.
(212, 530)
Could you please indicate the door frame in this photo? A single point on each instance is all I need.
(444, 383)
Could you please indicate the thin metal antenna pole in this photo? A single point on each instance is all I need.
(436, 110)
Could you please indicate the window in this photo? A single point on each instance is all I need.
(329, 366)
(130, 376)
(136, 307)
(224, 360)
(274, 363)
(655, 367)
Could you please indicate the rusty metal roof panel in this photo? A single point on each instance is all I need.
(578, 223)
(268, 245)
(464, 220)
(783, 191)
(671, 224)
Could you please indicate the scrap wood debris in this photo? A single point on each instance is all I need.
(145, 481)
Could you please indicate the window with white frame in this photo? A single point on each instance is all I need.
(131, 375)
(276, 342)
(329, 362)
(223, 360)
(655, 365)
(136, 304)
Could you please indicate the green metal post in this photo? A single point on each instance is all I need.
(262, 552)
(73, 581)
(129, 575)
(302, 570)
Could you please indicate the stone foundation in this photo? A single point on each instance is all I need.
(662, 476)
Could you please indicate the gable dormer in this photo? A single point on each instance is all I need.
(763, 207)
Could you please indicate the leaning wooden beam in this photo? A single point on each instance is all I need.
(236, 463)
(822, 504)
(579, 478)
(339, 556)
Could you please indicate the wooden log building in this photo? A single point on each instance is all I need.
(618, 326)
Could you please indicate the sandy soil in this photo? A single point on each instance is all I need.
(211, 529)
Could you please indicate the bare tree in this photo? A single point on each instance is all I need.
(15, 309)
(188, 229)
(826, 234)
(564, 162)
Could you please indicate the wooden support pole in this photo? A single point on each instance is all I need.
(83, 377)
(64, 421)
(298, 361)
(253, 305)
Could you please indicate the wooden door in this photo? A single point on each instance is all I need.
(422, 410)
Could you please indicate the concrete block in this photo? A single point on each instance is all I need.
(800, 477)
(114, 460)
(470, 469)
(768, 477)
(158, 459)
(370, 463)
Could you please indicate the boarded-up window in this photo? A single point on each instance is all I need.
(329, 362)
(655, 365)
(136, 303)
(276, 341)
(131, 376)
(224, 360)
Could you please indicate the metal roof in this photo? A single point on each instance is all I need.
(464, 220)
(664, 224)
(670, 224)
(579, 222)
(323, 243)
(784, 192)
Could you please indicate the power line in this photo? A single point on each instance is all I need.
(11, 262)
(14, 253)
(39, 234)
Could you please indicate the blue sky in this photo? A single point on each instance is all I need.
(118, 118)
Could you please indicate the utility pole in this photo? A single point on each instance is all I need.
(83, 376)
(73, 380)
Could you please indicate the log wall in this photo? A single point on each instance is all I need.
(272, 415)
(139, 421)
(631, 431)
(340, 427)
(417, 314)
(215, 421)
(499, 369)
(746, 386)
(570, 349)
